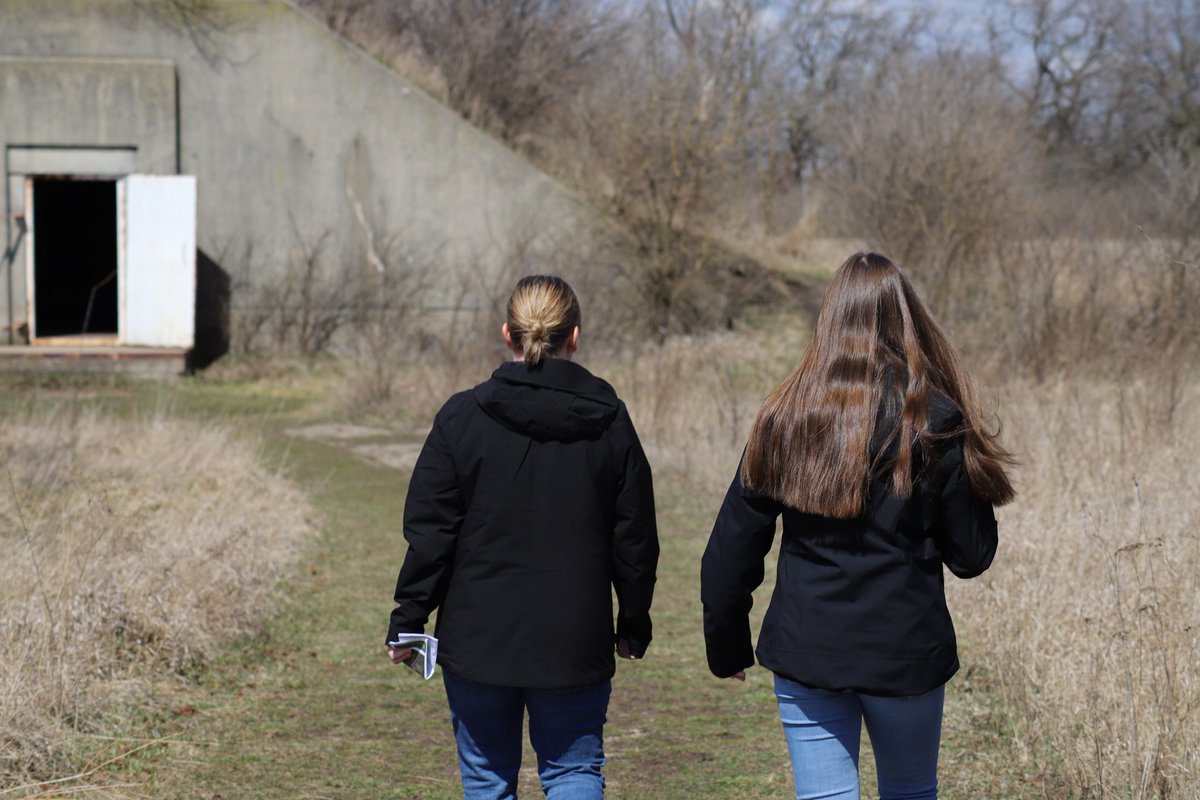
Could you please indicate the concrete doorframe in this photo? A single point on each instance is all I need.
(24, 162)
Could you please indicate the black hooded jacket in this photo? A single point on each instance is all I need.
(858, 603)
(530, 502)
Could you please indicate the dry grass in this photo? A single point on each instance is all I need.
(131, 547)
(1086, 627)
(1083, 307)
(1082, 644)
(693, 399)
(1085, 635)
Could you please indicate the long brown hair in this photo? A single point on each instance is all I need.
(810, 447)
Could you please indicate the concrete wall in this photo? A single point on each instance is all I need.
(286, 126)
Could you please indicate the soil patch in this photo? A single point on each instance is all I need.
(337, 431)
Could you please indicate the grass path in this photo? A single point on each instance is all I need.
(313, 708)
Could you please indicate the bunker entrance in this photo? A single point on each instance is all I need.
(74, 258)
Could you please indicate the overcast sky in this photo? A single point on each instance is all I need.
(967, 18)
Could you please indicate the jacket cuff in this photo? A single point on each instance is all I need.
(638, 643)
(727, 662)
(398, 627)
(637, 648)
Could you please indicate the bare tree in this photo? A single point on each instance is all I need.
(1067, 46)
(829, 45)
(1161, 48)
(931, 165)
(506, 63)
(1106, 81)
(704, 126)
(663, 141)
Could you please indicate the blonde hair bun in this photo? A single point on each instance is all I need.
(542, 312)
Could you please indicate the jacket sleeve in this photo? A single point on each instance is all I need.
(968, 535)
(731, 569)
(433, 514)
(635, 544)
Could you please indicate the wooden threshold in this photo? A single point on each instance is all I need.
(76, 340)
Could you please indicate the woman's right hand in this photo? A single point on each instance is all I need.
(740, 675)
(399, 655)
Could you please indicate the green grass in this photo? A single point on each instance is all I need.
(312, 708)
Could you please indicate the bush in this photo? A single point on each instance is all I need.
(931, 167)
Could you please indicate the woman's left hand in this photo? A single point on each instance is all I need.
(623, 650)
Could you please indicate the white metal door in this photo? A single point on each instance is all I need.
(157, 260)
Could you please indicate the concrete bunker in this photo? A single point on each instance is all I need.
(293, 135)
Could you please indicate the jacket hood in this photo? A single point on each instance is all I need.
(557, 400)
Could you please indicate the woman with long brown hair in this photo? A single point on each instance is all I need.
(875, 453)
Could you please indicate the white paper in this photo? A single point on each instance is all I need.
(424, 649)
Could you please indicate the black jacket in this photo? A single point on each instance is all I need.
(530, 502)
(858, 604)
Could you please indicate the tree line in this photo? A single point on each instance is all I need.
(710, 128)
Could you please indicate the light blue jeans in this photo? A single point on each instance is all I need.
(566, 728)
(823, 729)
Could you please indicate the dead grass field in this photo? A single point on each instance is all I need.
(1080, 645)
(133, 547)
(1087, 631)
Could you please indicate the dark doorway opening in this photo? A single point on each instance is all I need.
(74, 257)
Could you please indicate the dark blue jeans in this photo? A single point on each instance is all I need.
(566, 728)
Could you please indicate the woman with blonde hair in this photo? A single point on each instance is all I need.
(531, 502)
(875, 454)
